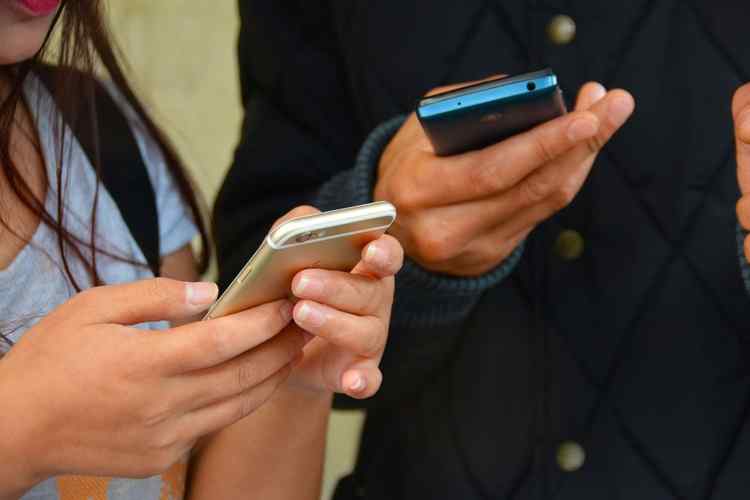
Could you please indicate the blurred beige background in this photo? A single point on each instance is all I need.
(182, 56)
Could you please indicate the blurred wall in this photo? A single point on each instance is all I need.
(182, 56)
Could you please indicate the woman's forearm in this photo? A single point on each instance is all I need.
(276, 453)
(18, 473)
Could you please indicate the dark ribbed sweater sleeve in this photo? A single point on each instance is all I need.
(423, 298)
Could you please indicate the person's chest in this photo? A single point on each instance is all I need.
(680, 59)
(42, 268)
(23, 187)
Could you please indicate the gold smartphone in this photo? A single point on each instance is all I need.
(331, 240)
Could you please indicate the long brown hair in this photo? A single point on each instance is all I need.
(83, 47)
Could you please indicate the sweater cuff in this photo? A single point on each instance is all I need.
(355, 186)
(423, 298)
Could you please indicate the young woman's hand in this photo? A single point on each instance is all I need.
(741, 112)
(83, 393)
(349, 314)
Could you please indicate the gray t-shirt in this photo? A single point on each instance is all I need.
(34, 283)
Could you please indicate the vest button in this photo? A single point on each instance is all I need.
(561, 30)
(570, 456)
(569, 245)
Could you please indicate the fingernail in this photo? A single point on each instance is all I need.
(358, 385)
(598, 92)
(619, 110)
(201, 293)
(306, 284)
(377, 256)
(583, 128)
(286, 311)
(310, 315)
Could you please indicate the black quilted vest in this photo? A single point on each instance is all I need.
(637, 349)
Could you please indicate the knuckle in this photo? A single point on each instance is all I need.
(567, 193)
(435, 247)
(217, 339)
(406, 200)
(248, 403)
(356, 292)
(560, 200)
(245, 376)
(536, 189)
(542, 150)
(595, 144)
(161, 290)
(375, 341)
(245, 408)
(273, 320)
(84, 299)
(482, 176)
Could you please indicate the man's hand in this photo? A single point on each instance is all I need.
(348, 314)
(741, 113)
(464, 214)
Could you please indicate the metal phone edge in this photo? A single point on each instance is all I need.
(325, 220)
(388, 210)
(437, 106)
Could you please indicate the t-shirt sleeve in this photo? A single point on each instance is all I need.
(176, 225)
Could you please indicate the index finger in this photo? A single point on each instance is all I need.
(482, 173)
(204, 344)
(741, 114)
(381, 258)
(156, 299)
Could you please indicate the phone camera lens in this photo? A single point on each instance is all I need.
(302, 238)
(531, 86)
(312, 235)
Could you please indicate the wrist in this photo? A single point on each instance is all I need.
(21, 468)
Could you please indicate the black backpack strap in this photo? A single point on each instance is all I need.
(122, 169)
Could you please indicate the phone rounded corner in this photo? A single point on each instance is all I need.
(272, 238)
(392, 212)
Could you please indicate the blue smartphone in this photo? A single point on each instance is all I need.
(478, 115)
